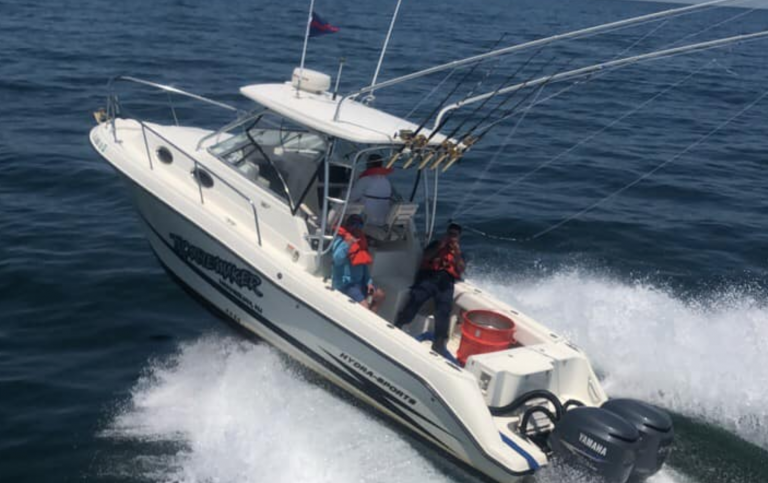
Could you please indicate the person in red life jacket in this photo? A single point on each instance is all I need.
(374, 190)
(441, 266)
(351, 258)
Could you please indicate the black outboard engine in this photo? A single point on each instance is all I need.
(656, 434)
(597, 440)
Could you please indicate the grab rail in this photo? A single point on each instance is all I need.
(197, 165)
(170, 89)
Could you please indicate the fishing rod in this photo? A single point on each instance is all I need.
(463, 205)
(620, 24)
(412, 139)
(613, 64)
(463, 122)
(468, 141)
(436, 130)
(625, 187)
(450, 148)
(602, 67)
(592, 135)
(579, 82)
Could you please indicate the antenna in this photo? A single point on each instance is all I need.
(304, 50)
(370, 97)
(338, 77)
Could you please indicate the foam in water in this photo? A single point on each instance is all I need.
(238, 412)
(703, 359)
(233, 412)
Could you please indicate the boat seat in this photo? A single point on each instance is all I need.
(398, 221)
(335, 213)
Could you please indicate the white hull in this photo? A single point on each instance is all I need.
(287, 323)
(214, 251)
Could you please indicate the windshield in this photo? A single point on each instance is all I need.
(276, 156)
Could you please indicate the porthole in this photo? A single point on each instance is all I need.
(203, 177)
(164, 155)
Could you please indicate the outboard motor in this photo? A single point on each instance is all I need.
(656, 434)
(597, 440)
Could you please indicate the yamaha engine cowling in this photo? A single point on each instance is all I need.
(597, 440)
(656, 434)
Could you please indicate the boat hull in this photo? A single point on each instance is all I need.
(250, 298)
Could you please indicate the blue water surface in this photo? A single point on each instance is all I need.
(93, 332)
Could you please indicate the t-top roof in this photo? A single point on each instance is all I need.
(357, 122)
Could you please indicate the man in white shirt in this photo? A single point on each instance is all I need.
(374, 190)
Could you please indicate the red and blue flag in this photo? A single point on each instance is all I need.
(318, 26)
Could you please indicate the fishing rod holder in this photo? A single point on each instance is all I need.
(417, 149)
(412, 144)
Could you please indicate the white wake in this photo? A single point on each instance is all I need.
(238, 412)
(706, 359)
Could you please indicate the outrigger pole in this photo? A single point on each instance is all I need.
(304, 50)
(448, 147)
(413, 139)
(370, 97)
(613, 64)
(536, 43)
(458, 151)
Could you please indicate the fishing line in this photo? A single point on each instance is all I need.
(718, 24)
(431, 93)
(434, 207)
(644, 176)
(442, 103)
(670, 17)
(584, 140)
(621, 63)
(457, 212)
(655, 169)
(502, 102)
(456, 87)
(496, 154)
(469, 94)
(600, 74)
(513, 110)
(571, 86)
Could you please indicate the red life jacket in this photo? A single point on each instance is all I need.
(379, 170)
(444, 260)
(358, 248)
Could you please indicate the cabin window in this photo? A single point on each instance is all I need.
(202, 177)
(276, 156)
(164, 155)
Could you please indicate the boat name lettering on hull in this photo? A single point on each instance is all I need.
(227, 270)
(362, 369)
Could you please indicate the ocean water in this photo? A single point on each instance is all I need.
(110, 372)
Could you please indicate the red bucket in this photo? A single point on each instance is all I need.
(484, 331)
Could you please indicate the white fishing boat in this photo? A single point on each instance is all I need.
(244, 216)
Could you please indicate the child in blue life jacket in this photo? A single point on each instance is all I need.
(351, 259)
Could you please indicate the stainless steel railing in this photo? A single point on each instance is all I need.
(196, 173)
(114, 108)
(169, 89)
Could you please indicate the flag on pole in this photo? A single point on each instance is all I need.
(318, 26)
